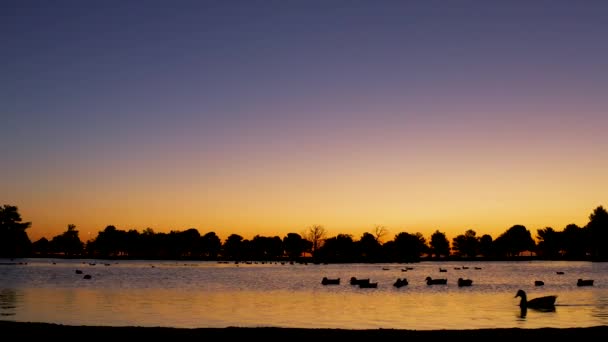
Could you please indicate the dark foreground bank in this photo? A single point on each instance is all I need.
(40, 331)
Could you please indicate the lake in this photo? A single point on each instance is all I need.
(193, 294)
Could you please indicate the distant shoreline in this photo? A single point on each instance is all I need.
(301, 260)
(47, 331)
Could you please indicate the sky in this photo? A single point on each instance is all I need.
(268, 117)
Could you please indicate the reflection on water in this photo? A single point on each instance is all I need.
(209, 294)
(523, 310)
(8, 302)
(600, 310)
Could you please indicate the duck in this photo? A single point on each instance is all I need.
(431, 281)
(464, 282)
(584, 282)
(400, 282)
(368, 285)
(357, 281)
(546, 303)
(329, 281)
(539, 283)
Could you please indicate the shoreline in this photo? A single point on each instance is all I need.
(51, 331)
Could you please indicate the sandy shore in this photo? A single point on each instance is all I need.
(63, 332)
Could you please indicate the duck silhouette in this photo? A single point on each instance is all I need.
(465, 282)
(545, 303)
(400, 282)
(330, 281)
(357, 281)
(440, 281)
(584, 282)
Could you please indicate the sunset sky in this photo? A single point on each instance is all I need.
(267, 117)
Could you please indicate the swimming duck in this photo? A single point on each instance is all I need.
(584, 282)
(431, 281)
(400, 282)
(357, 281)
(540, 303)
(465, 282)
(330, 281)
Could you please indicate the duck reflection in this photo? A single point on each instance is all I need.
(523, 311)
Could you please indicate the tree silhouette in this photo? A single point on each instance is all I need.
(295, 245)
(266, 248)
(211, 245)
(149, 243)
(549, 243)
(467, 244)
(135, 246)
(369, 248)
(598, 232)
(41, 247)
(380, 232)
(408, 247)
(439, 245)
(515, 240)
(184, 244)
(110, 243)
(68, 243)
(315, 234)
(575, 241)
(14, 241)
(340, 248)
(233, 247)
(486, 246)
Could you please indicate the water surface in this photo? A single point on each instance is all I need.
(210, 294)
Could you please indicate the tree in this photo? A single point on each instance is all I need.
(575, 242)
(466, 245)
(110, 242)
(68, 243)
(408, 247)
(295, 245)
(549, 243)
(233, 247)
(315, 234)
(439, 245)
(266, 248)
(185, 244)
(134, 241)
(598, 232)
(515, 240)
(380, 232)
(486, 245)
(369, 248)
(41, 247)
(149, 243)
(14, 241)
(211, 245)
(340, 248)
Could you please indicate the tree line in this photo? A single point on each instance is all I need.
(572, 243)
